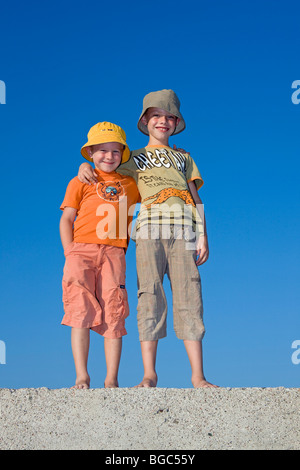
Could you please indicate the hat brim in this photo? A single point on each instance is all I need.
(105, 138)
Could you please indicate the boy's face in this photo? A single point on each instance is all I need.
(107, 157)
(160, 123)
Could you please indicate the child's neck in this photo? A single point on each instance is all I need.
(102, 171)
(158, 143)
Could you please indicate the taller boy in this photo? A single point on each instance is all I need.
(168, 182)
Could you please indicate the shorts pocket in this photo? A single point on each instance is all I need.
(151, 300)
(118, 303)
(124, 300)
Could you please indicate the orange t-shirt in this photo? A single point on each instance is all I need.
(104, 210)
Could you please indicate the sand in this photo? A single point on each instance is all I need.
(150, 419)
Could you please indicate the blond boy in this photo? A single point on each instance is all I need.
(94, 243)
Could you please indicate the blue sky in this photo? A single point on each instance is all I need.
(67, 65)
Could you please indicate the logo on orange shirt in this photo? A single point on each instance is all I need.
(110, 190)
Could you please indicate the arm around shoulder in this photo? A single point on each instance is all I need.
(87, 174)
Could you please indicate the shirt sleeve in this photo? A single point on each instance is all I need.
(192, 173)
(73, 194)
(128, 168)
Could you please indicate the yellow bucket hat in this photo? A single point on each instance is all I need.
(105, 132)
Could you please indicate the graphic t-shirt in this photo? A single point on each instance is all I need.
(162, 176)
(105, 210)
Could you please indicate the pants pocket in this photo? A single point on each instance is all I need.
(118, 303)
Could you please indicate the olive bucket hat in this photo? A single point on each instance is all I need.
(105, 132)
(166, 100)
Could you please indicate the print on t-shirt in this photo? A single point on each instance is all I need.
(110, 190)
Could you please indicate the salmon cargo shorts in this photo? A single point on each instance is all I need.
(172, 253)
(94, 293)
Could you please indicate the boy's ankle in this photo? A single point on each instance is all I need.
(149, 380)
(111, 382)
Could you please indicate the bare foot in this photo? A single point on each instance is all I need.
(200, 382)
(148, 382)
(81, 386)
(82, 383)
(112, 384)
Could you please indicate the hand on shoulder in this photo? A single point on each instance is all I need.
(87, 174)
(178, 149)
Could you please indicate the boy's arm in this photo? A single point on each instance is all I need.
(202, 249)
(66, 226)
(87, 174)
